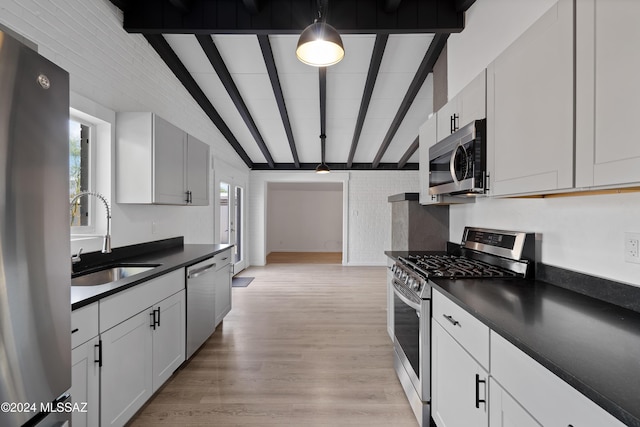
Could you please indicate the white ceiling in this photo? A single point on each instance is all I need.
(300, 86)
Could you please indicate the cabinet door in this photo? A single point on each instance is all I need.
(169, 158)
(85, 384)
(427, 137)
(530, 108)
(473, 100)
(448, 119)
(459, 388)
(223, 292)
(168, 338)
(608, 90)
(504, 411)
(197, 171)
(126, 375)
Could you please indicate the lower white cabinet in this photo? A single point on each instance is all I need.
(459, 384)
(138, 356)
(168, 338)
(85, 383)
(126, 380)
(222, 281)
(504, 411)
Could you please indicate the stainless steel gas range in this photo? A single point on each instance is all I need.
(483, 254)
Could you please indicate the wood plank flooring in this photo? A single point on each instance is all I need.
(304, 258)
(304, 345)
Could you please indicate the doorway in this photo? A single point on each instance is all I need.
(304, 222)
(231, 203)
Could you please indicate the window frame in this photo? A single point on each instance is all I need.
(90, 229)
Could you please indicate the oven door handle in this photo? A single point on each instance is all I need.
(404, 299)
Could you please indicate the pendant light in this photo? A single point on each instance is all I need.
(320, 44)
(322, 167)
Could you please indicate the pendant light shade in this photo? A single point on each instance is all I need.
(322, 168)
(320, 45)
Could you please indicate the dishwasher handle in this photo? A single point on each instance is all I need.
(192, 274)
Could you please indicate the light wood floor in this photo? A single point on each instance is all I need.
(304, 258)
(305, 345)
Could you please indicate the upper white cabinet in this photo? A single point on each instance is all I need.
(427, 137)
(159, 163)
(530, 108)
(468, 105)
(608, 90)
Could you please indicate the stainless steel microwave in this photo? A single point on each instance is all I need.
(457, 164)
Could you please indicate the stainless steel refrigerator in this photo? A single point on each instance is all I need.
(35, 311)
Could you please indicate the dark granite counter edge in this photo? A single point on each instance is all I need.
(607, 404)
(196, 253)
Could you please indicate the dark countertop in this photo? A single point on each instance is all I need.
(169, 259)
(591, 344)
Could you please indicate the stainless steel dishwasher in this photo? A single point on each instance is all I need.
(201, 303)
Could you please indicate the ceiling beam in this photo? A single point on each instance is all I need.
(270, 62)
(426, 66)
(412, 149)
(463, 5)
(292, 16)
(167, 54)
(372, 75)
(252, 6)
(391, 5)
(210, 49)
(335, 166)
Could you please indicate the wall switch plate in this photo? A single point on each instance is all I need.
(632, 247)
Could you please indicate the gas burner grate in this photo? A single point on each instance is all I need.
(455, 267)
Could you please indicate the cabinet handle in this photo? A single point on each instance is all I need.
(158, 319)
(99, 346)
(189, 197)
(153, 319)
(454, 123)
(478, 400)
(75, 330)
(453, 321)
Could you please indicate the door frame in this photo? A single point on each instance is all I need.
(232, 176)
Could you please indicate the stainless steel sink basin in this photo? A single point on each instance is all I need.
(111, 274)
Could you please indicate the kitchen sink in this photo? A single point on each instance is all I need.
(110, 274)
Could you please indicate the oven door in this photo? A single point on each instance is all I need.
(412, 339)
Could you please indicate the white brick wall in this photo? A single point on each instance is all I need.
(370, 212)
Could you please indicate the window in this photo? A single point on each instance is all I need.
(80, 175)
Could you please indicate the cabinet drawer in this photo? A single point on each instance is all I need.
(84, 324)
(223, 258)
(472, 334)
(121, 306)
(543, 394)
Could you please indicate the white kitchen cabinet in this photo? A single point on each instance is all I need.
(459, 383)
(222, 280)
(85, 368)
(126, 377)
(168, 337)
(465, 107)
(504, 411)
(159, 163)
(607, 93)
(85, 383)
(530, 109)
(545, 396)
(427, 138)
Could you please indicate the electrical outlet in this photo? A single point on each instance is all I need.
(632, 247)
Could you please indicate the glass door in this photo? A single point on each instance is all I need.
(231, 202)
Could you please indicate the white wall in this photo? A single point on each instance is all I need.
(366, 211)
(582, 233)
(304, 219)
(120, 72)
